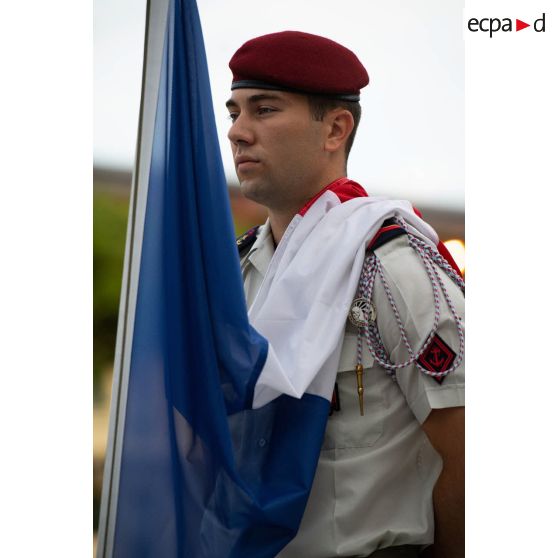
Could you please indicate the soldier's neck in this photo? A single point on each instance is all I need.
(279, 221)
(279, 218)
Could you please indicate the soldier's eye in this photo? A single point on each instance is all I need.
(265, 110)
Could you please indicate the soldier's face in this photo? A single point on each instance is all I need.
(277, 147)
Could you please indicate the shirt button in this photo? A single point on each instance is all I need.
(262, 442)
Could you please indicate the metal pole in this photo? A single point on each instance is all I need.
(155, 25)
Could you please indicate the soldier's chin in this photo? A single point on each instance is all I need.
(252, 190)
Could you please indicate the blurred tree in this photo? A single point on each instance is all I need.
(110, 214)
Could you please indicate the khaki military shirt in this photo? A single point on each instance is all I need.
(374, 480)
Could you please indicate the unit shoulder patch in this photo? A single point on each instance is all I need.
(437, 357)
(244, 241)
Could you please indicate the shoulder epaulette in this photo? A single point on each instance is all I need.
(388, 231)
(244, 241)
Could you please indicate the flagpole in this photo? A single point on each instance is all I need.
(155, 25)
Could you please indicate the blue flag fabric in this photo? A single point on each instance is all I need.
(201, 473)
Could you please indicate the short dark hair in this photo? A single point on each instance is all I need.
(320, 105)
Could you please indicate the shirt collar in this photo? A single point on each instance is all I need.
(263, 248)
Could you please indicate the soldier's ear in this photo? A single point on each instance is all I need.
(340, 124)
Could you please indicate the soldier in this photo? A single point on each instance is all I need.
(390, 479)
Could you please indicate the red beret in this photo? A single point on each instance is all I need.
(300, 62)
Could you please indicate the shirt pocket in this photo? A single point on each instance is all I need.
(346, 428)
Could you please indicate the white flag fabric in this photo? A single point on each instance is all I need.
(303, 302)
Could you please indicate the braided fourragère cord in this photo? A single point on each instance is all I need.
(433, 261)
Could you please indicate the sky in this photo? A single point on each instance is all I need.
(411, 138)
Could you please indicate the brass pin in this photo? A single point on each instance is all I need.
(360, 388)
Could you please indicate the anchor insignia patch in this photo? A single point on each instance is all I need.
(438, 357)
